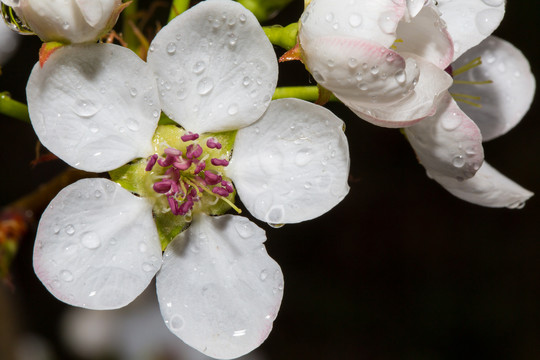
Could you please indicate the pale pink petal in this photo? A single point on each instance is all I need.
(422, 102)
(218, 289)
(503, 102)
(97, 245)
(487, 188)
(448, 143)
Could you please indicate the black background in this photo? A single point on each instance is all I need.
(399, 270)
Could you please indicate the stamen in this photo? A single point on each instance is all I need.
(213, 143)
(193, 151)
(172, 152)
(220, 191)
(168, 161)
(182, 164)
(219, 162)
(162, 187)
(474, 63)
(211, 178)
(189, 136)
(151, 162)
(455, 95)
(173, 205)
(201, 165)
(473, 82)
(227, 186)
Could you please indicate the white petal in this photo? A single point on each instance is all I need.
(218, 289)
(427, 37)
(414, 7)
(375, 21)
(94, 106)
(293, 164)
(487, 188)
(96, 246)
(448, 143)
(470, 21)
(431, 87)
(9, 41)
(508, 98)
(215, 67)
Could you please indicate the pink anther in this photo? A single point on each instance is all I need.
(211, 178)
(194, 151)
(213, 143)
(219, 162)
(220, 191)
(151, 162)
(189, 136)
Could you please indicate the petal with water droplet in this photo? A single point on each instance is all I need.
(427, 37)
(216, 56)
(293, 164)
(379, 20)
(505, 101)
(448, 143)
(87, 249)
(470, 21)
(82, 110)
(487, 188)
(210, 288)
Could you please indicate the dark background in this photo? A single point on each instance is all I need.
(399, 270)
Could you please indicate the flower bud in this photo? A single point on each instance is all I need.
(67, 21)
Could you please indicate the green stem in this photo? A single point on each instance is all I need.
(178, 7)
(13, 108)
(264, 9)
(128, 15)
(308, 93)
(284, 37)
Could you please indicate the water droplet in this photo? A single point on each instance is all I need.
(90, 240)
(400, 77)
(487, 20)
(56, 228)
(329, 17)
(458, 161)
(275, 215)
(171, 48)
(233, 109)
(277, 274)
(374, 70)
(181, 93)
(155, 113)
(386, 23)
(451, 122)
(86, 108)
(331, 63)
(69, 229)
(493, 3)
(317, 76)
(205, 85)
(232, 39)
(199, 67)
(353, 62)
(132, 124)
(307, 185)
(97, 194)
(133, 92)
(147, 267)
(242, 18)
(92, 293)
(355, 20)
(263, 275)
(176, 322)
(244, 228)
(143, 247)
(66, 275)
(303, 157)
(246, 81)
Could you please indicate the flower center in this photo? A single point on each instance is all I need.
(466, 98)
(187, 179)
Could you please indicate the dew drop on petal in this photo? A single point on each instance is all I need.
(133, 124)
(86, 108)
(303, 157)
(69, 229)
(233, 109)
(205, 85)
(458, 161)
(176, 322)
(147, 267)
(91, 240)
(171, 48)
(493, 3)
(199, 67)
(66, 275)
(386, 23)
(244, 229)
(355, 20)
(450, 123)
(263, 275)
(487, 20)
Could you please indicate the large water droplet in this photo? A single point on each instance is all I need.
(199, 67)
(303, 157)
(132, 124)
(458, 161)
(355, 20)
(90, 240)
(176, 322)
(493, 3)
(171, 48)
(487, 20)
(451, 121)
(66, 275)
(275, 215)
(244, 228)
(386, 22)
(400, 77)
(205, 85)
(86, 108)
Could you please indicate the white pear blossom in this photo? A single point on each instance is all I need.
(67, 21)
(384, 59)
(503, 104)
(495, 86)
(96, 106)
